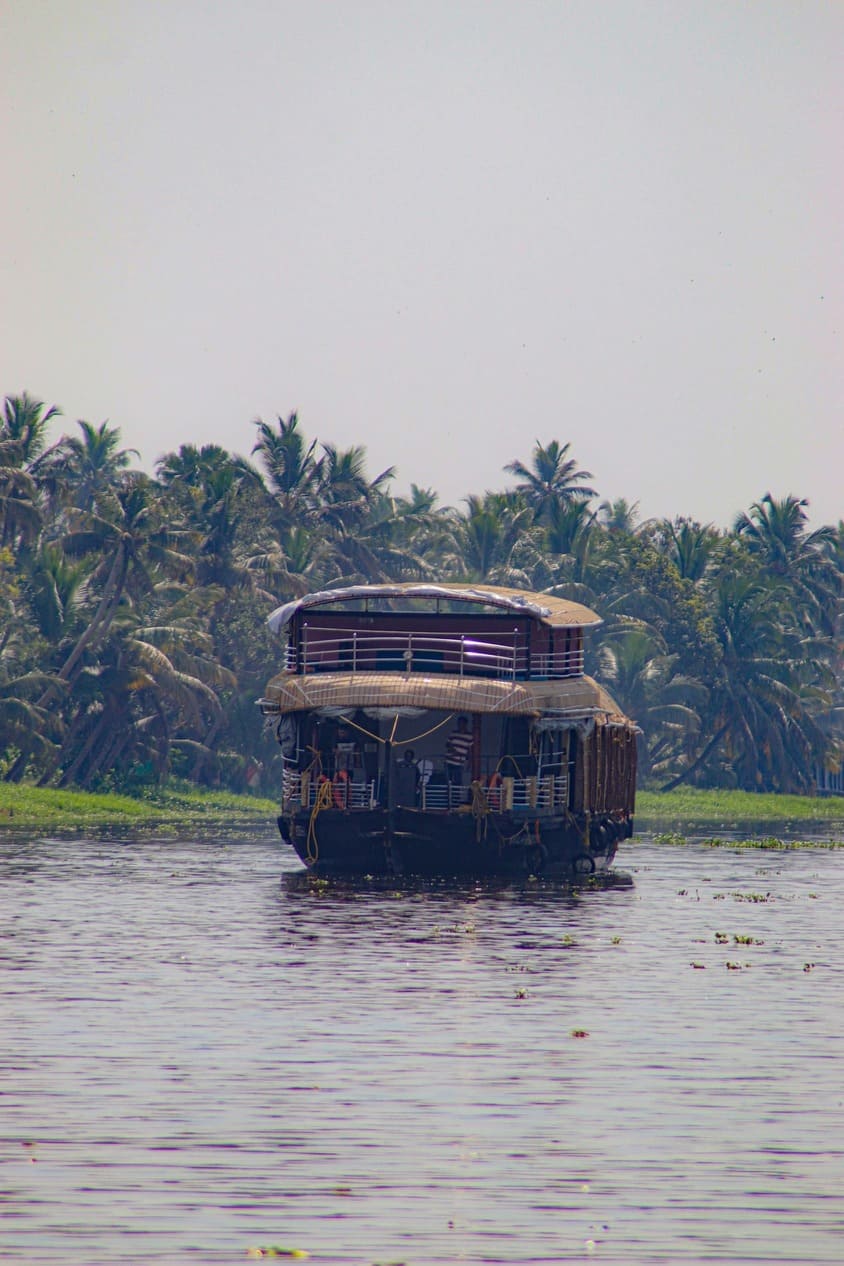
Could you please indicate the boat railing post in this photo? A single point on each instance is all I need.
(531, 791)
(304, 648)
(462, 649)
(354, 651)
(507, 792)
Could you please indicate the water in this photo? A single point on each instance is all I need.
(198, 1060)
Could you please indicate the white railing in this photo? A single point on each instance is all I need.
(501, 794)
(324, 648)
(327, 648)
(557, 664)
(343, 793)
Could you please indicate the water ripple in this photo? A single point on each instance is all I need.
(199, 1059)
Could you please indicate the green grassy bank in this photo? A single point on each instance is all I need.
(77, 811)
(681, 810)
(688, 809)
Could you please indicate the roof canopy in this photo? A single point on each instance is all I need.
(578, 695)
(556, 612)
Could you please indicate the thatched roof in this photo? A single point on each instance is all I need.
(576, 695)
(556, 612)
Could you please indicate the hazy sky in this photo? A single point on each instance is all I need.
(442, 230)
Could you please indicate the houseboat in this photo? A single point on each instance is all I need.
(444, 729)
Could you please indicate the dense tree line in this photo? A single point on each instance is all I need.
(133, 639)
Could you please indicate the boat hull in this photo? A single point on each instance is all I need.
(417, 843)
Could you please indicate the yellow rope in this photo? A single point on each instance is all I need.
(362, 730)
(432, 730)
(515, 763)
(322, 801)
(405, 742)
(480, 809)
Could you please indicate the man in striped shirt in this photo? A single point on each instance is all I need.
(458, 749)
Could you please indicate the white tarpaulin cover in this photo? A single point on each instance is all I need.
(545, 607)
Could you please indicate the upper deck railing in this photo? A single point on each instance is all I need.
(506, 657)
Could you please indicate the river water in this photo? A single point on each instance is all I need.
(203, 1056)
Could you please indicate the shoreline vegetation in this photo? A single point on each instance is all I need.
(677, 814)
(133, 607)
(734, 810)
(744, 819)
(23, 807)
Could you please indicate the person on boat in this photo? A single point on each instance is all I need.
(458, 749)
(407, 779)
(344, 755)
(326, 739)
(426, 769)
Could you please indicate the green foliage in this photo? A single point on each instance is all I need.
(78, 811)
(691, 807)
(133, 636)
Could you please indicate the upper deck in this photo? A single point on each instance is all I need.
(454, 630)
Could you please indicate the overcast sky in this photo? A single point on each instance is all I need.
(442, 230)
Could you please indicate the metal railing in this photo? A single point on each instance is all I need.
(350, 650)
(516, 795)
(557, 664)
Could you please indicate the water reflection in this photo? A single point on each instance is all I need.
(200, 1059)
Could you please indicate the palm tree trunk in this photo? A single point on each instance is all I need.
(72, 770)
(105, 752)
(203, 756)
(687, 773)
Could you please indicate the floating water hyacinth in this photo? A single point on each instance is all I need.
(277, 1250)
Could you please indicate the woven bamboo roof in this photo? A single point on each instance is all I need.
(286, 693)
(550, 610)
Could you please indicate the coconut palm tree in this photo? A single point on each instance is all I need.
(485, 540)
(291, 469)
(86, 469)
(552, 478)
(767, 695)
(154, 686)
(216, 495)
(23, 430)
(55, 589)
(776, 533)
(643, 677)
(344, 490)
(619, 515)
(568, 526)
(129, 541)
(689, 545)
(27, 728)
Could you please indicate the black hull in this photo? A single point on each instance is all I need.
(437, 845)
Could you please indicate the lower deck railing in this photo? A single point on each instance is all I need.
(547, 792)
